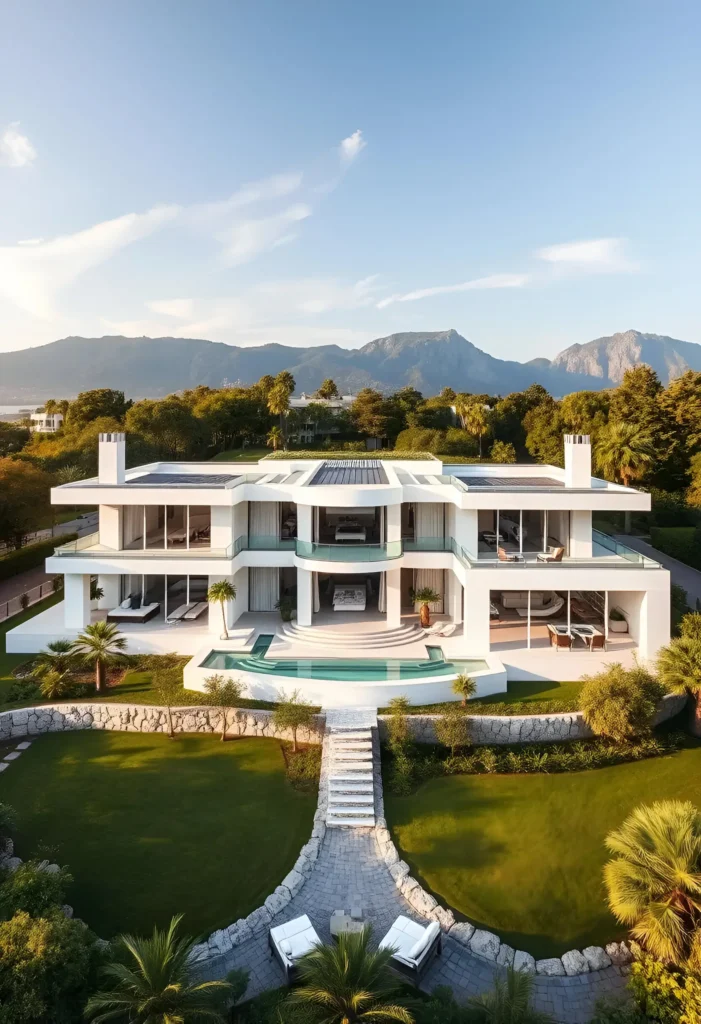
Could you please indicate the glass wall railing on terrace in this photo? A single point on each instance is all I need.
(428, 544)
(349, 552)
(263, 543)
(90, 547)
(606, 552)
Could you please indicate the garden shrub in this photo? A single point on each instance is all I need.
(453, 729)
(22, 691)
(680, 542)
(303, 766)
(665, 994)
(32, 556)
(581, 755)
(47, 968)
(620, 703)
(29, 888)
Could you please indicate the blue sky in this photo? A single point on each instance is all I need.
(527, 173)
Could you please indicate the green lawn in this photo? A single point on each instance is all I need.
(150, 827)
(242, 455)
(529, 692)
(522, 855)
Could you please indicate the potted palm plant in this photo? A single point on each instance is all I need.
(424, 597)
(617, 621)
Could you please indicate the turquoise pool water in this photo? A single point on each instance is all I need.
(340, 669)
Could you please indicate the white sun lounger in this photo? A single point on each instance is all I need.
(195, 611)
(292, 940)
(179, 613)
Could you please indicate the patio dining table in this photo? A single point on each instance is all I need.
(577, 630)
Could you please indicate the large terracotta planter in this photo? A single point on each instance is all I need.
(425, 615)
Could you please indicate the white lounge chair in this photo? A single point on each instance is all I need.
(435, 629)
(290, 941)
(178, 613)
(448, 629)
(414, 947)
(195, 610)
(545, 611)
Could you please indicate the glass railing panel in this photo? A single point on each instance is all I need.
(270, 543)
(349, 552)
(427, 544)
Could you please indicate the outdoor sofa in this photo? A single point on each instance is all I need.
(290, 941)
(414, 947)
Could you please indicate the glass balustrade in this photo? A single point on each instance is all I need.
(349, 552)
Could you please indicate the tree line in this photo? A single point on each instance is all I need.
(641, 431)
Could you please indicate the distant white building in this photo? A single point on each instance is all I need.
(308, 432)
(46, 422)
(525, 587)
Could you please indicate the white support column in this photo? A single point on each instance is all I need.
(304, 596)
(476, 630)
(465, 526)
(110, 588)
(455, 590)
(305, 520)
(111, 527)
(653, 624)
(222, 526)
(394, 523)
(580, 534)
(393, 594)
(76, 600)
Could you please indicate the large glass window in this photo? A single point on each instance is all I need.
(200, 526)
(176, 526)
(154, 522)
(132, 527)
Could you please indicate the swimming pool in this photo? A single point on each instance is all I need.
(340, 669)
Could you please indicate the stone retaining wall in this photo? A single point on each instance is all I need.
(146, 718)
(498, 730)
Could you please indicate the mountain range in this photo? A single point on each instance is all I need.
(428, 360)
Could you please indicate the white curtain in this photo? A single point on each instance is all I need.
(382, 598)
(264, 519)
(132, 525)
(383, 517)
(428, 519)
(316, 603)
(264, 586)
(432, 578)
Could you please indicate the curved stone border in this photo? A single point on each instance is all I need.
(497, 730)
(486, 944)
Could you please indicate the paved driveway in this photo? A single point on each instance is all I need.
(683, 575)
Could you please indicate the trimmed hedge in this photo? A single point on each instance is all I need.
(681, 542)
(31, 556)
(381, 453)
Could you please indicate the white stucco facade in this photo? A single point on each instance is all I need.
(346, 544)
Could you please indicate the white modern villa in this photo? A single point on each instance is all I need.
(527, 588)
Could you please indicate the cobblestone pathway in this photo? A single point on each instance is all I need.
(349, 869)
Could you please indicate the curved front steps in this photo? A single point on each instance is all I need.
(365, 639)
(351, 789)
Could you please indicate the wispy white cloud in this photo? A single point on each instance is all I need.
(594, 256)
(477, 284)
(15, 149)
(320, 295)
(32, 275)
(248, 238)
(351, 146)
(179, 308)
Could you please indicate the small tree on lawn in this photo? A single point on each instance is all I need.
(57, 657)
(292, 713)
(54, 685)
(398, 723)
(221, 592)
(169, 691)
(100, 644)
(453, 729)
(223, 694)
(465, 687)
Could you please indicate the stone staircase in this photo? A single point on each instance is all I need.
(352, 739)
(350, 639)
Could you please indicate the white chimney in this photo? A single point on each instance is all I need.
(577, 460)
(111, 459)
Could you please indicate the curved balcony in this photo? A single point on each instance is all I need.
(348, 552)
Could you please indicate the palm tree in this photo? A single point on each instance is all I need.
(624, 451)
(509, 1002)
(465, 687)
(154, 982)
(350, 982)
(100, 644)
(57, 657)
(476, 421)
(222, 591)
(679, 667)
(278, 404)
(274, 438)
(54, 685)
(654, 880)
(425, 596)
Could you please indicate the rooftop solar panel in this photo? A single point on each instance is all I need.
(351, 471)
(511, 481)
(182, 480)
